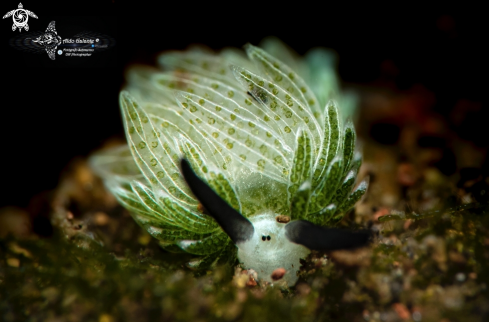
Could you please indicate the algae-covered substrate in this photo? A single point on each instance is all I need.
(98, 265)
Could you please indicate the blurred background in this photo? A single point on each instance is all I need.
(419, 74)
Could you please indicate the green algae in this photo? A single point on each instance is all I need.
(437, 269)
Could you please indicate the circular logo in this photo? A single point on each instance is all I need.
(60, 52)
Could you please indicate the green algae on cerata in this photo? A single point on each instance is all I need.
(267, 138)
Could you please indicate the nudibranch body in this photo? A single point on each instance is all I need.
(253, 141)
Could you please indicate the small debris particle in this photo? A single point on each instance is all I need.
(453, 298)
(252, 273)
(303, 289)
(240, 280)
(13, 262)
(282, 219)
(278, 273)
(258, 293)
(438, 250)
(456, 257)
(379, 213)
(357, 257)
(246, 277)
(406, 174)
(366, 315)
(144, 239)
(407, 223)
(460, 277)
(105, 318)
(51, 294)
(101, 219)
(19, 250)
(241, 296)
(417, 316)
(15, 221)
(401, 310)
(200, 208)
(251, 282)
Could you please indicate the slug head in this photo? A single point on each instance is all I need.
(269, 249)
(265, 244)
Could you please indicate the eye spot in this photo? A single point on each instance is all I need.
(268, 238)
(263, 238)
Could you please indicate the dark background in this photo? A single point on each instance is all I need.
(52, 112)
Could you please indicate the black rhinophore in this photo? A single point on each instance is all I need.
(238, 228)
(324, 239)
